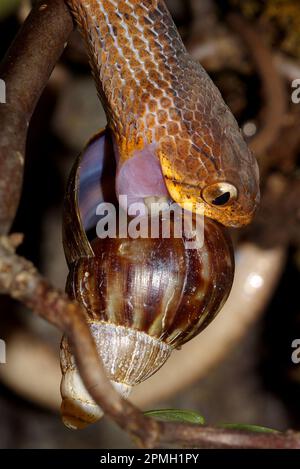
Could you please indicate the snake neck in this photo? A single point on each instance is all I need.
(136, 55)
(153, 92)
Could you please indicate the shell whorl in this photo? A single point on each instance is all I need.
(152, 285)
(129, 357)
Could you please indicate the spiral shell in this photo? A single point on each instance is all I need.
(142, 297)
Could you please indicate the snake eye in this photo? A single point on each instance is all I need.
(220, 194)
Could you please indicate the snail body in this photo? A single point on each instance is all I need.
(143, 297)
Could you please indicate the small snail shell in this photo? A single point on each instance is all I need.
(143, 297)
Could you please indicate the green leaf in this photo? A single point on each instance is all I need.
(249, 428)
(176, 415)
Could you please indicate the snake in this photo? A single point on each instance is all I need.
(173, 135)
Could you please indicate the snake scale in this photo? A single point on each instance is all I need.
(172, 131)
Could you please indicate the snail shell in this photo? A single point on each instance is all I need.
(142, 297)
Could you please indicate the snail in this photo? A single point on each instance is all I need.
(143, 297)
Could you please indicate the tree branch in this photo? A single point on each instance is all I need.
(273, 86)
(20, 279)
(25, 70)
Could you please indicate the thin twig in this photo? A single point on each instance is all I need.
(25, 70)
(20, 279)
(197, 436)
(274, 93)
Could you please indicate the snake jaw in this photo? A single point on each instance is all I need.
(189, 198)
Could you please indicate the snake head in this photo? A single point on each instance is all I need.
(229, 197)
(219, 179)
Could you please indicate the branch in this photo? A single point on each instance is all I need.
(25, 70)
(20, 279)
(275, 96)
(198, 436)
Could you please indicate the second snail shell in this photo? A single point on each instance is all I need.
(143, 297)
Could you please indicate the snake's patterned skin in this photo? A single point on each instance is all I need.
(156, 96)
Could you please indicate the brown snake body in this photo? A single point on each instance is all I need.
(165, 112)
